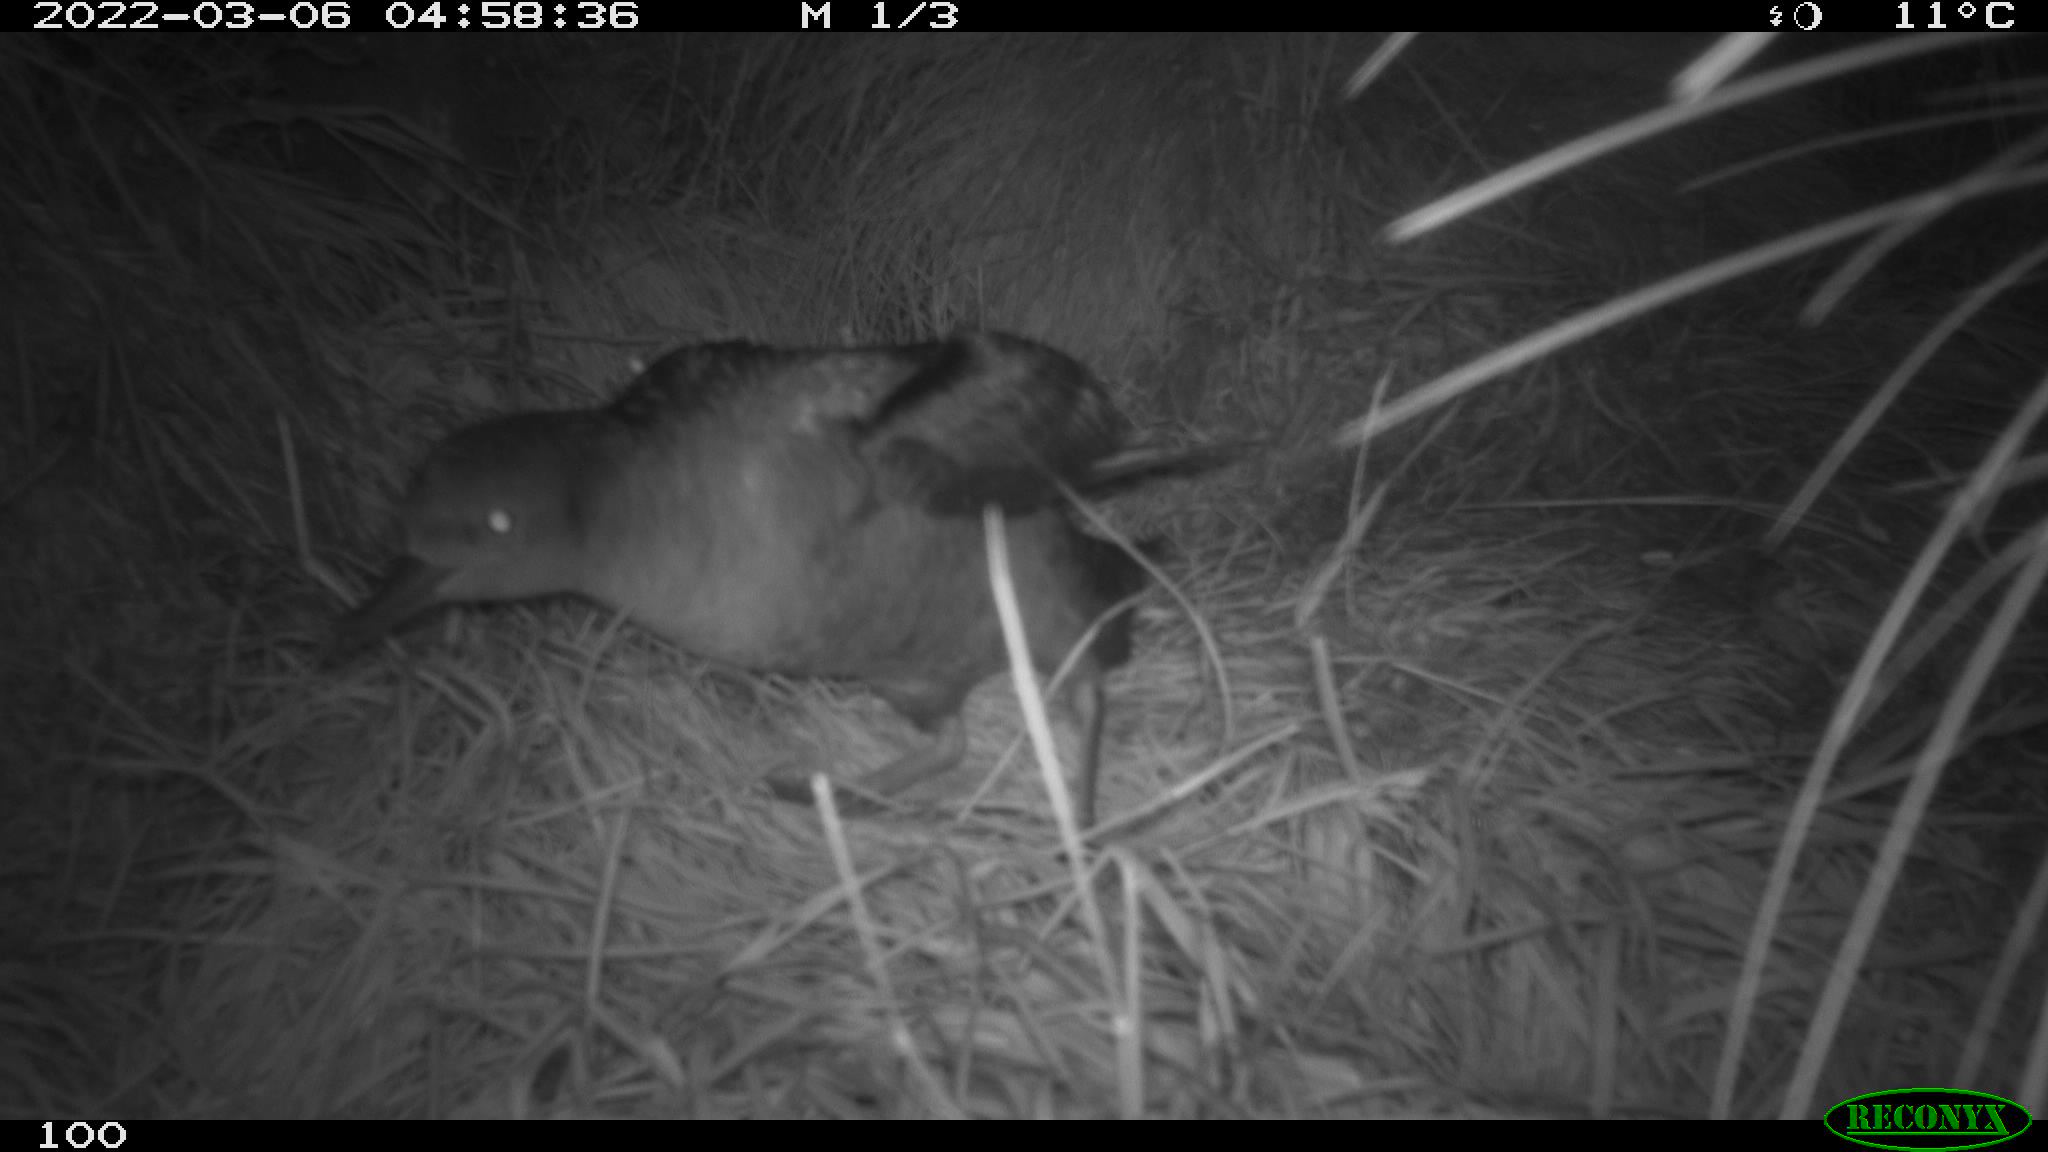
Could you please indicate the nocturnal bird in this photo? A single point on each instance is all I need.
(814, 512)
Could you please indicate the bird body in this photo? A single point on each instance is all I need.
(805, 511)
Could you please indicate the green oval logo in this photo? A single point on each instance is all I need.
(1927, 1119)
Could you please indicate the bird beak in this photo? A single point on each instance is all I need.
(409, 587)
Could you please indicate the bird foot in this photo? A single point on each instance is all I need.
(791, 784)
(869, 794)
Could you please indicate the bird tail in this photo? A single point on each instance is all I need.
(1135, 466)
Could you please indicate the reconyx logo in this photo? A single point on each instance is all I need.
(1927, 1119)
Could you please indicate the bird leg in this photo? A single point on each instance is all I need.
(949, 747)
(941, 755)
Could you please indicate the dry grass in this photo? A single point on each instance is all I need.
(1450, 780)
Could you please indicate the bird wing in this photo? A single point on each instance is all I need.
(990, 419)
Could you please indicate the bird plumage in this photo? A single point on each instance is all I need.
(805, 511)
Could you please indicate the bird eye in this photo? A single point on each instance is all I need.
(499, 521)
